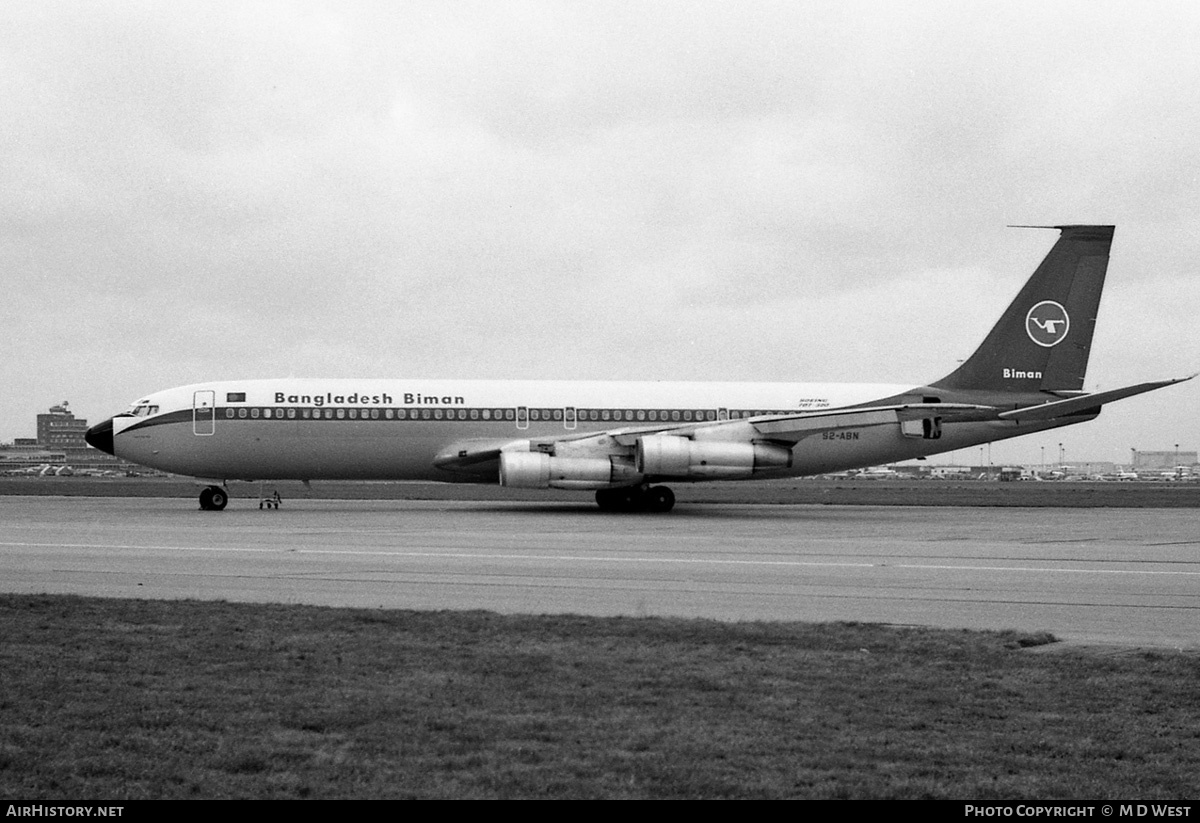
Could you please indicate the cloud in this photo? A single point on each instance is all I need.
(650, 190)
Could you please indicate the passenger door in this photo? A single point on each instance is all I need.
(204, 412)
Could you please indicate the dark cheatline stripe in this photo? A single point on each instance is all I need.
(183, 416)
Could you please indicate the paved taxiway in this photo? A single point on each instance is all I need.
(1121, 576)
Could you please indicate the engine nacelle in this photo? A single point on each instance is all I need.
(666, 455)
(535, 470)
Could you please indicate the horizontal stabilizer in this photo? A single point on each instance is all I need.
(1059, 408)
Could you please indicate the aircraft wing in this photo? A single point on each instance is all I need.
(1059, 408)
(481, 457)
(795, 427)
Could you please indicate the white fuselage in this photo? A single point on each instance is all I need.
(397, 429)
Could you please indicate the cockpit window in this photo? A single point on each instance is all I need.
(144, 409)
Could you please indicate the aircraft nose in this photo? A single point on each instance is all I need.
(100, 436)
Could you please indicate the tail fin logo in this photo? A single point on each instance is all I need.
(1047, 323)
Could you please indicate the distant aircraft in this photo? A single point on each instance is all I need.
(623, 440)
(881, 473)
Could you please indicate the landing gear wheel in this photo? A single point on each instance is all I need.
(658, 499)
(633, 499)
(613, 499)
(213, 499)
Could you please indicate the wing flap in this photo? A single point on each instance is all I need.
(795, 427)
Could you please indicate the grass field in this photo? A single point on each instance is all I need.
(149, 699)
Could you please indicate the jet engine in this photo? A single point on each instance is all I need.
(665, 455)
(535, 470)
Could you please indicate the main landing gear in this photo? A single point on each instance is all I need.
(213, 499)
(636, 499)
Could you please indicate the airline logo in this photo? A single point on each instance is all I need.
(1047, 323)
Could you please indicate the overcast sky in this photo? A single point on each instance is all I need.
(648, 190)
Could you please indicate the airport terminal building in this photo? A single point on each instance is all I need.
(59, 445)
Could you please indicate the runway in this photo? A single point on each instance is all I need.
(1128, 577)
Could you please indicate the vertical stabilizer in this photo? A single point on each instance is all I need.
(1043, 340)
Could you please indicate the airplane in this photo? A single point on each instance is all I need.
(625, 440)
(879, 473)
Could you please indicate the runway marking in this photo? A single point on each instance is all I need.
(1036, 569)
(612, 559)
